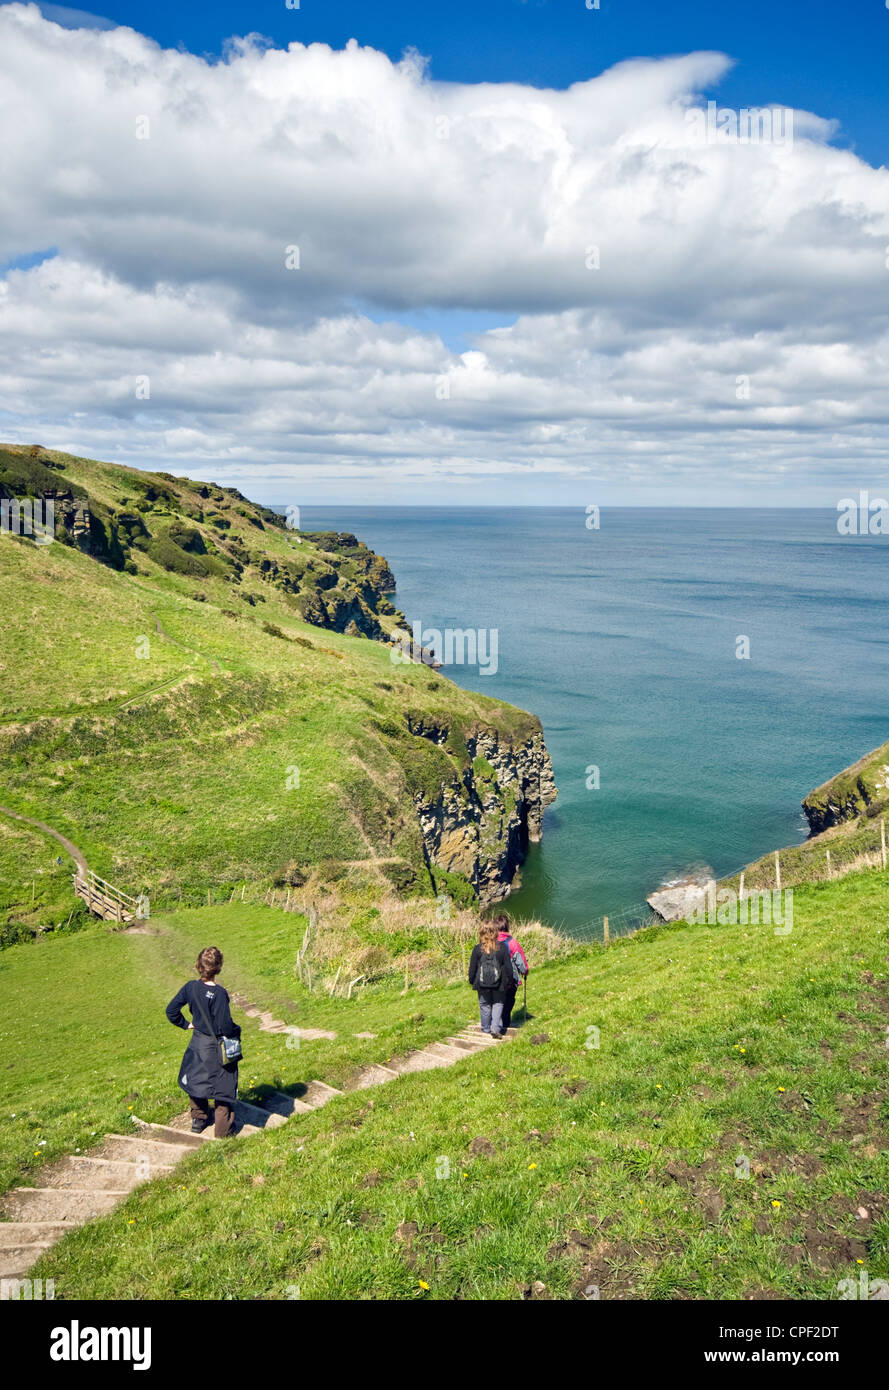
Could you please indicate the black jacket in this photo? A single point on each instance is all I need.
(507, 980)
(202, 1073)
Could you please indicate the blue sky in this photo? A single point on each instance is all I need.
(820, 55)
(567, 295)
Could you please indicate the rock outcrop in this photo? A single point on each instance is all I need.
(480, 825)
(859, 790)
(676, 901)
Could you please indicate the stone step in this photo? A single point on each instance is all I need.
(180, 1125)
(318, 1093)
(477, 1028)
(466, 1045)
(446, 1050)
(280, 1104)
(16, 1233)
(277, 1027)
(249, 1117)
(102, 1174)
(374, 1075)
(174, 1134)
(420, 1061)
(135, 1149)
(60, 1203)
(479, 1039)
(17, 1260)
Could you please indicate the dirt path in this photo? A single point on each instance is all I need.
(182, 647)
(155, 689)
(66, 844)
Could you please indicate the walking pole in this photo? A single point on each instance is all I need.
(525, 999)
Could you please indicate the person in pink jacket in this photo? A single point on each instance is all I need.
(519, 965)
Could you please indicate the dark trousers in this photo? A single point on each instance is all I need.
(223, 1115)
(509, 1005)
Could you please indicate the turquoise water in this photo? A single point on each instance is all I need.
(623, 641)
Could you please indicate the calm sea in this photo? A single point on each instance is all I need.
(624, 641)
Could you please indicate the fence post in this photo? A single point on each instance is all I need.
(777, 872)
(741, 887)
(605, 934)
(883, 839)
(829, 870)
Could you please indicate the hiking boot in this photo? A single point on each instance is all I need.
(198, 1126)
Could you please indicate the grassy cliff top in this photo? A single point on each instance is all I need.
(176, 699)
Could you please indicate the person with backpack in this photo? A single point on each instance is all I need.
(205, 1073)
(490, 972)
(519, 964)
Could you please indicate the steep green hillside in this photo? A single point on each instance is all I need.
(149, 522)
(170, 703)
(694, 1112)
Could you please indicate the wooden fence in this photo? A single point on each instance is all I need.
(102, 898)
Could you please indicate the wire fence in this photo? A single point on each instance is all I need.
(813, 861)
(859, 847)
(618, 924)
(863, 848)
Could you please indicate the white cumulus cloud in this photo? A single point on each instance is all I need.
(680, 310)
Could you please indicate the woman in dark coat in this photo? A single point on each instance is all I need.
(202, 1075)
(490, 973)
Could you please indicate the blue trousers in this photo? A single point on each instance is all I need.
(490, 1007)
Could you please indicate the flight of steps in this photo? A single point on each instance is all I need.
(469, 1040)
(269, 1024)
(84, 1186)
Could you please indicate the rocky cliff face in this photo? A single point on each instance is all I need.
(480, 825)
(859, 790)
